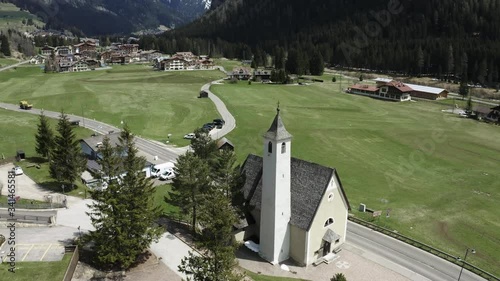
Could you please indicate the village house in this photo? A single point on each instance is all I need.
(79, 66)
(86, 49)
(47, 50)
(64, 50)
(128, 48)
(262, 75)
(240, 73)
(90, 148)
(418, 91)
(298, 209)
(206, 63)
(225, 144)
(150, 55)
(38, 59)
(174, 63)
(392, 90)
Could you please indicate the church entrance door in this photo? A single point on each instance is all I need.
(326, 248)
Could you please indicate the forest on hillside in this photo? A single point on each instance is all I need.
(455, 39)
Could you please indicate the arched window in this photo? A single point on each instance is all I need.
(270, 147)
(329, 221)
(283, 148)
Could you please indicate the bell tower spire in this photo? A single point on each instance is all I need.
(276, 196)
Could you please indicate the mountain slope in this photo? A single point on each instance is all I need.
(95, 17)
(428, 36)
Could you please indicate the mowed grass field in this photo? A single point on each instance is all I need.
(438, 173)
(153, 104)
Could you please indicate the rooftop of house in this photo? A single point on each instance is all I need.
(402, 87)
(426, 89)
(364, 88)
(223, 141)
(96, 141)
(309, 182)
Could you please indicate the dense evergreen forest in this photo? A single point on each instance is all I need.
(455, 39)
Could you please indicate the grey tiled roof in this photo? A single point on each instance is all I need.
(309, 182)
(277, 130)
(94, 141)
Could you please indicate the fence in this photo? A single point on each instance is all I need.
(427, 248)
(36, 206)
(72, 264)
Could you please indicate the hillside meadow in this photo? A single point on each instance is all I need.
(153, 104)
(436, 173)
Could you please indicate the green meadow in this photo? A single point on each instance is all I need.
(437, 173)
(153, 104)
(11, 17)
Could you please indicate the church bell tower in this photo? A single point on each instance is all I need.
(276, 196)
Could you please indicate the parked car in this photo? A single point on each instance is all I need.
(18, 170)
(219, 123)
(190, 136)
(168, 175)
(208, 127)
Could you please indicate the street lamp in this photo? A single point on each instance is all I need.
(463, 261)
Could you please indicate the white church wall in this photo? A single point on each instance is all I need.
(332, 206)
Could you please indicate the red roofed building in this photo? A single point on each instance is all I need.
(393, 90)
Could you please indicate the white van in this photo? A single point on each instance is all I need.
(159, 169)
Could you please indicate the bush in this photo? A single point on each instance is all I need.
(334, 79)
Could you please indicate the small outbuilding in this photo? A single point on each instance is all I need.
(20, 155)
(225, 144)
(203, 94)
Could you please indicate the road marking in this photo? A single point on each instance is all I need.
(342, 264)
(45, 252)
(25, 255)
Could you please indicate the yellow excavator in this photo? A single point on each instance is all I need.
(25, 105)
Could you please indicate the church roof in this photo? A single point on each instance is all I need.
(309, 182)
(277, 130)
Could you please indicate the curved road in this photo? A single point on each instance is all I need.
(407, 260)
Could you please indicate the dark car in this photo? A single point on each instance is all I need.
(208, 127)
(219, 123)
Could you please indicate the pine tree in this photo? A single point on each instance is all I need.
(227, 178)
(4, 45)
(68, 161)
(468, 106)
(420, 59)
(463, 90)
(123, 214)
(316, 64)
(44, 137)
(189, 185)
(217, 218)
(203, 145)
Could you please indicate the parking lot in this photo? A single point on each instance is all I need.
(35, 252)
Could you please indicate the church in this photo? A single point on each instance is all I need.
(298, 209)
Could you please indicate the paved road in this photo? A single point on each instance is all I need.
(224, 113)
(428, 266)
(476, 100)
(14, 65)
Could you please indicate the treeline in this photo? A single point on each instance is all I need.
(427, 37)
(15, 40)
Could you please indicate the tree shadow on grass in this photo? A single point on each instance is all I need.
(56, 186)
(36, 160)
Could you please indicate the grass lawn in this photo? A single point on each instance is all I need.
(44, 271)
(438, 173)
(7, 62)
(160, 192)
(153, 103)
(18, 132)
(228, 64)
